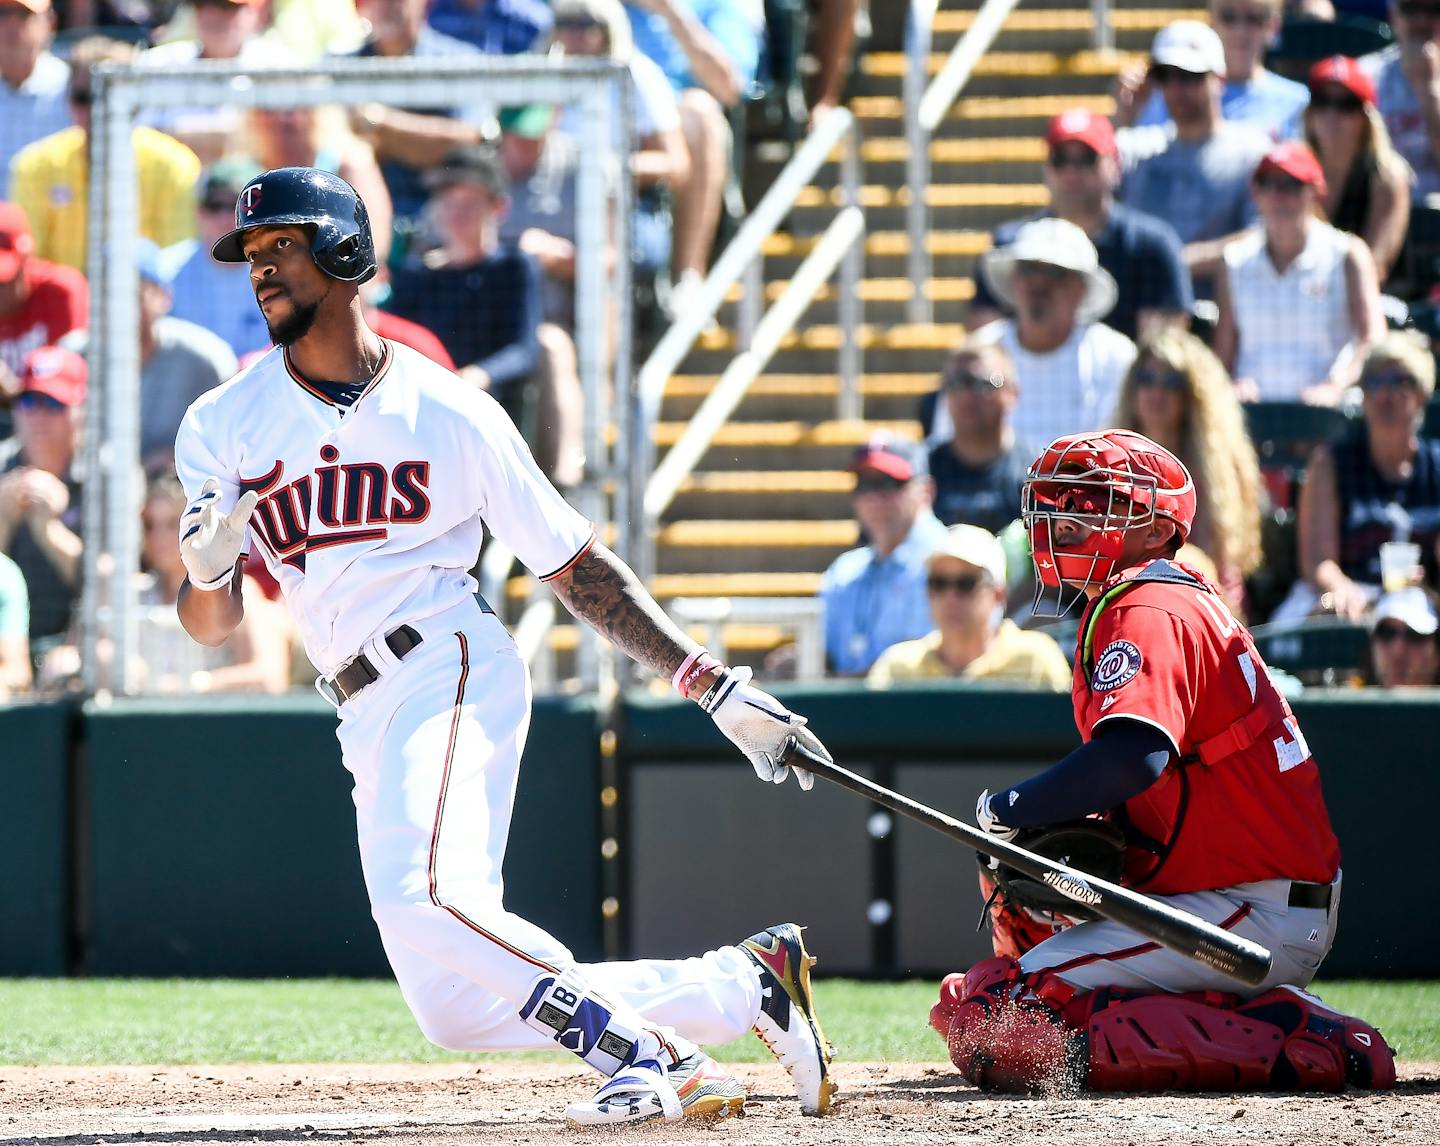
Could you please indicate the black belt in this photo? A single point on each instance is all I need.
(361, 672)
(1311, 895)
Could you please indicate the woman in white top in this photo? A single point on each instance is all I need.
(1299, 302)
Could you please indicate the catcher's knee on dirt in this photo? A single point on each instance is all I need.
(1014, 1032)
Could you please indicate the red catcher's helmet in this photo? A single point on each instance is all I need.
(1111, 481)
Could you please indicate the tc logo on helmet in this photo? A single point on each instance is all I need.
(250, 198)
(1117, 665)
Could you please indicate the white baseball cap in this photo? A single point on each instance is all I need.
(1190, 46)
(975, 546)
(1412, 607)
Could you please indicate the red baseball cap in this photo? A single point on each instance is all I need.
(1348, 74)
(1081, 126)
(895, 457)
(55, 372)
(16, 242)
(1296, 160)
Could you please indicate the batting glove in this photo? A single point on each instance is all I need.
(210, 541)
(990, 823)
(759, 725)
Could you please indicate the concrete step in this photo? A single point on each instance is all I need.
(748, 495)
(795, 546)
(884, 299)
(811, 349)
(803, 397)
(978, 116)
(1064, 30)
(790, 445)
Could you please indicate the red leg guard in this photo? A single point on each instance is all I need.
(1009, 1033)
(943, 1011)
(1364, 1058)
(1177, 1042)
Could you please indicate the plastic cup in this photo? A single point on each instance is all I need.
(1398, 560)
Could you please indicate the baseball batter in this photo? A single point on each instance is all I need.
(366, 474)
(1192, 752)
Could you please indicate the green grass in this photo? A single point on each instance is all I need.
(113, 1021)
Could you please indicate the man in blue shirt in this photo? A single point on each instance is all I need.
(1252, 93)
(496, 27)
(874, 596)
(34, 84)
(708, 50)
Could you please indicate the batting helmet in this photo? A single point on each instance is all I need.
(1110, 481)
(340, 239)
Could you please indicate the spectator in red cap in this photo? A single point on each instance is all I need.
(39, 300)
(1299, 302)
(1367, 183)
(1142, 253)
(39, 492)
(874, 596)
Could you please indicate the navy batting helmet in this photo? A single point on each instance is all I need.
(340, 243)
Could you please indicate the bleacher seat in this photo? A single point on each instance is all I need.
(1284, 433)
(1301, 42)
(1318, 650)
(1417, 269)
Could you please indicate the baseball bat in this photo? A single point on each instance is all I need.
(1187, 934)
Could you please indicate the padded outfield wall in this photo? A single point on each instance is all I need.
(155, 837)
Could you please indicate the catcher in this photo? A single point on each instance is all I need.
(1210, 800)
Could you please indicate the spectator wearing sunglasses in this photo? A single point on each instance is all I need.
(50, 178)
(1068, 362)
(1178, 394)
(979, 469)
(1252, 94)
(874, 595)
(972, 638)
(1379, 483)
(1299, 301)
(1367, 183)
(1194, 171)
(40, 490)
(1404, 647)
(40, 302)
(1407, 89)
(1140, 252)
(217, 296)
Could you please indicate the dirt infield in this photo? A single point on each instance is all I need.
(457, 1103)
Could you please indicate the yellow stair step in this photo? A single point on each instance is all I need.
(769, 481)
(901, 336)
(1000, 149)
(892, 108)
(894, 65)
(834, 433)
(936, 195)
(667, 585)
(736, 637)
(953, 22)
(751, 534)
(805, 386)
(876, 290)
(959, 243)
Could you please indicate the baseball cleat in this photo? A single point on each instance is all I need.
(788, 1024)
(695, 1087)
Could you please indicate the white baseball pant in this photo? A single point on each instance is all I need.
(434, 746)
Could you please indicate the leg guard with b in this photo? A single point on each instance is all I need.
(584, 1023)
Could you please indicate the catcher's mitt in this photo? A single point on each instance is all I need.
(1095, 847)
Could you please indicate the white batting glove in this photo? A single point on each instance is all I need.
(759, 725)
(210, 541)
(988, 822)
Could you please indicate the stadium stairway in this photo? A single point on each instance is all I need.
(768, 508)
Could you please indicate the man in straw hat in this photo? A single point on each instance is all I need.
(1069, 363)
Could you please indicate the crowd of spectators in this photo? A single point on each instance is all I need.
(1227, 238)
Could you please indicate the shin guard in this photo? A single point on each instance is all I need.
(587, 1025)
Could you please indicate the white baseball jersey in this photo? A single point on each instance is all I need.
(371, 515)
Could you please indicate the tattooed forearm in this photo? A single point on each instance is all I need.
(602, 591)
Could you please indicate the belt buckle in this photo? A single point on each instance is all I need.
(330, 689)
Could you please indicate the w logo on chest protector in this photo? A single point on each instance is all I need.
(336, 504)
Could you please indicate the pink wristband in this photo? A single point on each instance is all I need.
(684, 668)
(692, 670)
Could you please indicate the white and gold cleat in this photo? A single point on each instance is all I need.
(788, 1023)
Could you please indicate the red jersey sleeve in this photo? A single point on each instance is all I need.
(1144, 665)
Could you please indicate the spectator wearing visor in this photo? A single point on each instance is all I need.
(1404, 645)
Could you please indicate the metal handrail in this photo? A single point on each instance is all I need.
(839, 245)
(925, 114)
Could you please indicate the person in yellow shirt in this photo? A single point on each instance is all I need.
(973, 639)
(50, 177)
